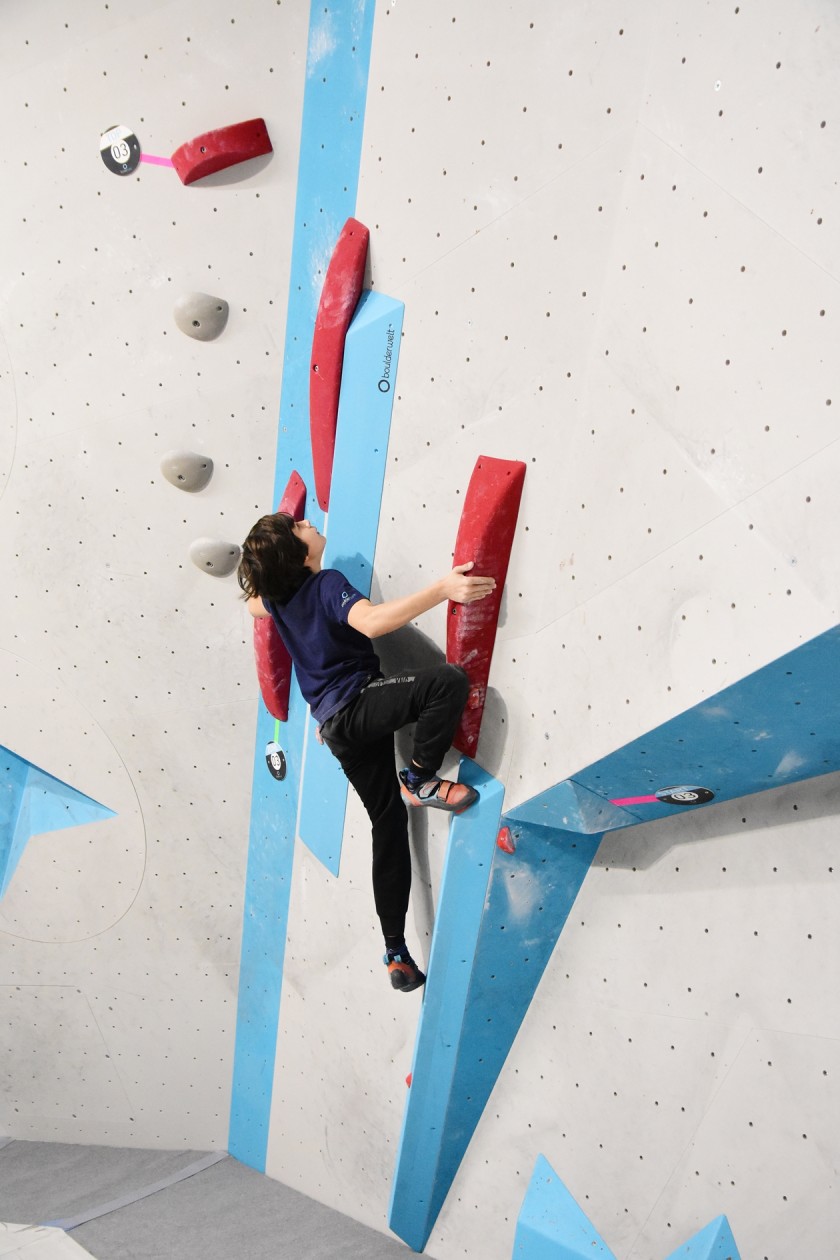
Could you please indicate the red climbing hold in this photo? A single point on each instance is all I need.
(505, 841)
(485, 535)
(216, 150)
(274, 665)
(408, 1080)
(274, 668)
(339, 299)
(293, 502)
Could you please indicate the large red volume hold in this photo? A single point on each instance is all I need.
(216, 150)
(339, 299)
(485, 535)
(274, 665)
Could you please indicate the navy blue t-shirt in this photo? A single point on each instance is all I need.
(333, 662)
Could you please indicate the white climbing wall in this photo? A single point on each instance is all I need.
(123, 669)
(615, 230)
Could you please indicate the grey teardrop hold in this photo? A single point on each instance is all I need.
(219, 559)
(201, 316)
(187, 470)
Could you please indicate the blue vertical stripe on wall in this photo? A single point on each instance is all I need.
(337, 66)
(364, 424)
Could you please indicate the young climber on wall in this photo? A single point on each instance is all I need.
(327, 626)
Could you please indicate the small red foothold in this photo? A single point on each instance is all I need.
(505, 841)
(293, 502)
(408, 1080)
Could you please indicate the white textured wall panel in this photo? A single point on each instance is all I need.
(615, 231)
(127, 672)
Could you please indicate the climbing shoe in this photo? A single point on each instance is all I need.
(438, 794)
(403, 970)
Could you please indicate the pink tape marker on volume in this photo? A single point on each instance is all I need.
(681, 795)
(635, 800)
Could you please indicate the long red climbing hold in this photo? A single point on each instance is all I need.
(485, 535)
(274, 665)
(339, 299)
(216, 150)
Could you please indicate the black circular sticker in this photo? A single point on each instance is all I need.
(275, 759)
(120, 150)
(685, 795)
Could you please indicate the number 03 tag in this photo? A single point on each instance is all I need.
(120, 150)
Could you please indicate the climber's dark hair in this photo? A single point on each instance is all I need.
(273, 560)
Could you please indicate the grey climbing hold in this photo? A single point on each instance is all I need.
(201, 316)
(187, 470)
(216, 558)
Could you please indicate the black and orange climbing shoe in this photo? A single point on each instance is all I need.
(437, 793)
(403, 970)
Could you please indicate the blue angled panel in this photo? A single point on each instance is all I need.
(14, 771)
(551, 1226)
(338, 61)
(32, 802)
(781, 724)
(715, 1242)
(364, 423)
(568, 806)
(418, 1191)
(778, 725)
(483, 971)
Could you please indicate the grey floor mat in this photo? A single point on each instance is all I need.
(227, 1210)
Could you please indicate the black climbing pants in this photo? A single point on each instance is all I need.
(361, 736)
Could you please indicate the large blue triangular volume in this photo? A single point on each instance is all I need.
(32, 802)
(715, 1242)
(778, 725)
(528, 899)
(52, 804)
(13, 775)
(364, 424)
(551, 1226)
(493, 938)
(432, 1118)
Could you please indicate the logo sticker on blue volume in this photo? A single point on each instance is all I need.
(685, 795)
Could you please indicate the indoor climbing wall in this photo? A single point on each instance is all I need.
(603, 241)
(127, 673)
(609, 273)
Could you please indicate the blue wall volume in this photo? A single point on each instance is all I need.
(778, 725)
(551, 1226)
(32, 802)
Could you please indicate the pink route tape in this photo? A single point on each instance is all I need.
(635, 800)
(155, 161)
